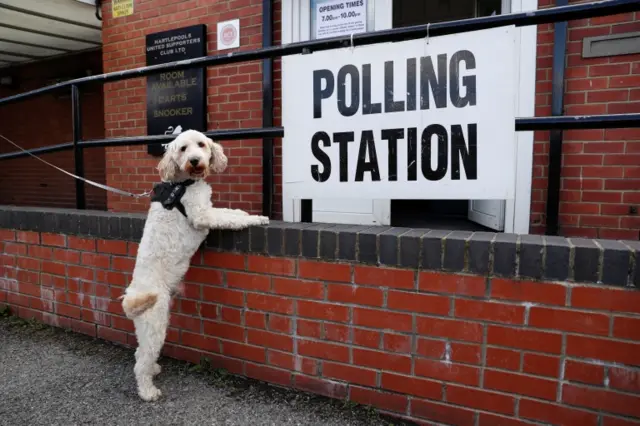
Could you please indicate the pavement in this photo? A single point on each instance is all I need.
(50, 376)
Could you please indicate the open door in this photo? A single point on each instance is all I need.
(489, 213)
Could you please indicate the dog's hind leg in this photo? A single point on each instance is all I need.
(151, 329)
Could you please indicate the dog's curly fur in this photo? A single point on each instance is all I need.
(168, 243)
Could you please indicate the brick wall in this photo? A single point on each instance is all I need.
(482, 330)
(234, 97)
(600, 190)
(46, 120)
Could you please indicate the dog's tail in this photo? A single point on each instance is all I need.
(135, 304)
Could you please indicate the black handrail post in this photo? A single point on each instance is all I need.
(267, 110)
(78, 152)
(554, 178)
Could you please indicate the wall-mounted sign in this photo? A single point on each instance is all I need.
(176, 100)
(229, 34)
(409, 120)
(333, 18)
(121, 8)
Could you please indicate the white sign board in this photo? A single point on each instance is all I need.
(409, 120)
(228, 34)
(335, 18)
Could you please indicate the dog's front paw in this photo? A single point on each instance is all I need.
(156, 369)
(261, 220)
(151, 394)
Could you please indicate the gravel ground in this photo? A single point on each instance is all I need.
(51, 377)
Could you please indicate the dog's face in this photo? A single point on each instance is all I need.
(192, 155)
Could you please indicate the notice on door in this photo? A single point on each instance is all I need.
(406, 120)
(335, 18)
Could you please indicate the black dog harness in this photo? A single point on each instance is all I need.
(169, 194)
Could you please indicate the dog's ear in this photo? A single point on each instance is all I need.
(218, 161)
(168, 167)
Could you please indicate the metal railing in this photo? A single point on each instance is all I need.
(558, 122)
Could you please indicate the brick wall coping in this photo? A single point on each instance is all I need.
(534, 257)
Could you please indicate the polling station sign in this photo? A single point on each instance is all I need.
(420, 119)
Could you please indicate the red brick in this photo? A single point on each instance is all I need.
(184, 322)
(40, 252)
(242, 351)
(271, 265)
(612, 402)
(556, 414)
(28, 237)
(624, 379)
(384, 277)
(603, 349)
(382, 319)
(462, 285)
(384, 401)
(480, 399)
(231, 315)
(368, 338)
(486, 419)
(567, 320)
(208, 310)
(280, 323)
(53, 240)
(326, 311)
(423, 388)
(309, 328)
(30, 289)
(113, 247)
(66, 256)
(323, 350)
(324, 271)
(82, 244)
(203, 275)
(524, 339)
(28, 263)
(423, 303)
(489, 311)
(268, 303)
(626, 328)
(327, 388)
(68, 310)
(19, 249)
(584, 373)
(95, 260)
(124, 264)
(298, 288)
(396, 343)
(451, 329)
(223, 331)
(355, 294)
(206, 343)
(520, 384)
(255, 319)
(447, 371)
(122, 323)
(270, 340)
(249, 281)
(349, 374)
(82, 327)
(223, 296)
(441, 413)
(527, 291)
(431, 348)
(607, 299)
(224, 260)
(541, 365)
(382, 360)
(112, 335)
(6, 235)
(337, 332)
(616, 421)
(268, 374)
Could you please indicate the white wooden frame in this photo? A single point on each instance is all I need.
(517, 210)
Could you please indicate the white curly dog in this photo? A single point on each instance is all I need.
(171, 237)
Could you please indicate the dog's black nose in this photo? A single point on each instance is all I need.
(194, 162)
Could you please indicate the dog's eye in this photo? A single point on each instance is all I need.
(201, 144)
(183, 149)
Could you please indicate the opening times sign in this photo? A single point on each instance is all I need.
(176, 100)
(339, 17)
(409, 120)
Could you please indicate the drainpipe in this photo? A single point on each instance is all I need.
(555, 137)
(267, 110)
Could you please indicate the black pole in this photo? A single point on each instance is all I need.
(77, 149)
(267, 110)
(554, 178)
